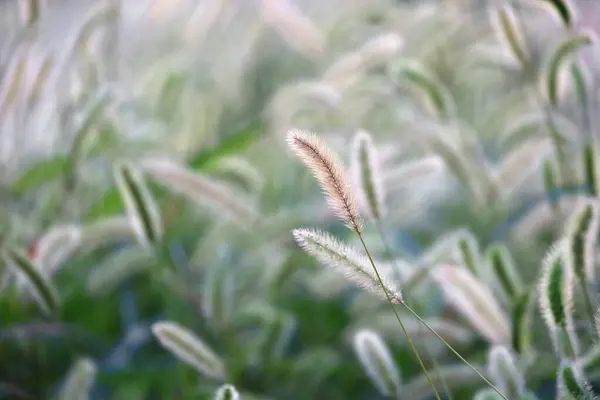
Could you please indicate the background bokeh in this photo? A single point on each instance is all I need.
(460, 127)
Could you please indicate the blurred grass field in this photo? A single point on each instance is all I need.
(476, 146)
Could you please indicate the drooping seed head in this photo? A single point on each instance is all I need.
(227, 392)
(555, 289)
(377, 362)
(505, 372)
(327, 168)
(346, 260)
(572, 383)
(581, 238)
(367, 176)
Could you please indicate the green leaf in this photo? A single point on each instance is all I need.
(233, 143)
(39, 173)
(110, 202)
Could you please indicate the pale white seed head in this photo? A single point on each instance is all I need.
(474, 301)
(187, 347)
(79, 380)
(367, 177)
(354, 266)
(142, 211)
(329, 172)
(56, 246)
(227, 392)
(199, 188)
(288, 20)
(582, 244)
(377, 362)
(556, 289)
(505, 371)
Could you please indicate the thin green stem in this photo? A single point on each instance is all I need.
(410, 342)
(390, 255)
(454, 351)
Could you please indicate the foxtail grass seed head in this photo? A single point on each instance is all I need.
(505, 271)
(200, 189)
(508, 31)
(29, 10)
(581, 238)
(377, 362)
(505, 372)
(589, 169)
(188, 348)
(555, 289)
(79, 381)
(43, 289)
(468, 249)
(329, 171)
(580, 81)
(568, 45)
(435, 95)
(354, 266)
(139, 203)
(367, 176)
(572, 383)
(288, 20)
(474, 301)
(549, 171)
(56, 246)
(521, 322)
(563, 9)
(227, 392)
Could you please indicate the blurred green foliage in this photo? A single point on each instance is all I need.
(210, 90)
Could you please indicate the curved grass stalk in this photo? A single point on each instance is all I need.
(410, 342)
(390, 255)
(449, 346)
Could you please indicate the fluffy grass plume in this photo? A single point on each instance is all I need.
(468, 250)
(556, 299)
(572, 384)
(43, 289)
(329, 171)
(563, 9)
(56, 246)
(435, 95)
(503, 266)
(550, 180)
(199, 189)
(568, 45)
(227, 392)
(505, 372)
(29, 11)
(366, 169)
(343, 258)
(79, 380)
(377, 362)
(139, 203)
(582, 237)
(474, 301)
(520, 316)
(589, 168)
(508, 31)
(187, 347)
